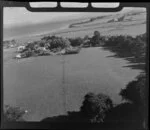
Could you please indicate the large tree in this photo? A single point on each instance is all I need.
(95, 107)
(95, 40)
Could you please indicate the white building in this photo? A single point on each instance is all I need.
(115, 19)
(20, 48)
(18, 56)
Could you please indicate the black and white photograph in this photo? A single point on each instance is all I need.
(83, 67)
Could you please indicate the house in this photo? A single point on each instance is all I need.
(42, 48)
(21, 48)
(115, 19)
(11, 46)
(18, 56)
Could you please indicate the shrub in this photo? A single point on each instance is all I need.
(76, 41)
(46, 38)
(53, 42)
(31, 45)
(95, 107)
(95, 40)
(59, 43)
(13, 113)
(86, 37)
(135, 46)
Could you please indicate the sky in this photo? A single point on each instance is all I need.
(15, 16)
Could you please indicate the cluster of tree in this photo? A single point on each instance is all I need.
(94, 41)
(131, 48)
(76, 41)
(127, 45)
(55, 42)
(49, 42)
(51, 45)
(123, 45)
(46, 46)
(9, 43)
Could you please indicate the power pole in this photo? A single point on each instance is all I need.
(63, 84)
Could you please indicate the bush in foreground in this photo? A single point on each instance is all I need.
(13, 113)
(136, 93)
(135, 90)
(95, 107)
(128, 45)
(93, 110)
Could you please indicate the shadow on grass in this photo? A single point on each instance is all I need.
(133, 62)
(122, 116)
(136, 66)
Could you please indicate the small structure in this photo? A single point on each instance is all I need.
(18, 56)
(11, 45)
(63, 51)
(115, 19)
(20, 48)
(41, 48)
(73, 50)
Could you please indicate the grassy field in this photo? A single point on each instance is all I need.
(36, 83)
(134, 23)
